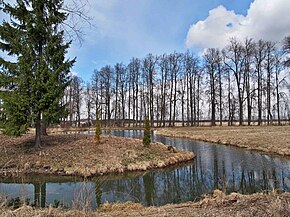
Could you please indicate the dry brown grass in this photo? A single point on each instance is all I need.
(272, 139)
(79, 155)
(218, 204)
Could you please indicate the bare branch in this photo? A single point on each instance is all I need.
(78, 19)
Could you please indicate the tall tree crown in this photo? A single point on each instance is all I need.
(35, 80)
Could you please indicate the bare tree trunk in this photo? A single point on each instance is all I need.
(117, 76)
(278, 99)
(197, 112)
(193, 101)
(187, 99)
(151, 97)
(137, 104)
(249, 51)
(259, 96)
(235, 60)
(259, 58)
(170, 100)
(163, 64)
(174, 100)
(277, 70)
(123, 104)
(269, 114)
(182, 100)
(220, 93)
(249, 106)
(129, 103)
(240, 108)
(229, 100)
(213, 100)
(211, 66)
(270, 48)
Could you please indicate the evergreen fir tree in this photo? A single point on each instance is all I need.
(147, 133)
(33, 84)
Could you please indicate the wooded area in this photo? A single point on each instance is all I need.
(247, 82)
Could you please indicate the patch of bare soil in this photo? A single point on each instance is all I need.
(79, 154)
(271, 139)
(218, 204)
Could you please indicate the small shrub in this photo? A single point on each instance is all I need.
(147, 133)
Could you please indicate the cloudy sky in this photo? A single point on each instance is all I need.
(133, 28)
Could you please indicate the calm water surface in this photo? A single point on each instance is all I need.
(215, 167)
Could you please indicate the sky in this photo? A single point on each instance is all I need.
(122, 29)
(135, 28)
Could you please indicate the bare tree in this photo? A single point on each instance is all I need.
(106, 76)
(286, 50)
(242, 80)
(211, 67)
(96, 92)
(278, 67)
(235, 62)
(191, 67)
(249, 49)
(174, 71)
(78, 19)
(134, 74)
(75, 92)
(164, 70)
(259, 57)
(149, 64)
(89, 102)
(220, 68)
(269, 65)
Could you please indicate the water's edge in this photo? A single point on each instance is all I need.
(215, 167)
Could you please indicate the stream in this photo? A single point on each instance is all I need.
(222, 167)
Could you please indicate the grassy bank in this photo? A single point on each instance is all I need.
(218, 204)
(271, 139)
(79, 155)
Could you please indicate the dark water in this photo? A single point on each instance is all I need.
(215, 167)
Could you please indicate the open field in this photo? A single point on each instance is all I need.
(218, 204)
(271, 139)
(80, 155)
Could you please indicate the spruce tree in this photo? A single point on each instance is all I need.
(147, 133)
(33, 83)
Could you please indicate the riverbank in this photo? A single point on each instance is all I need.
(218, 204)
(78, 154)
(270, 139)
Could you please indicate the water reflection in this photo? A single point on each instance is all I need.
(227, 168)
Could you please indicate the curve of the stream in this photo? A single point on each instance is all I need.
(222, 167)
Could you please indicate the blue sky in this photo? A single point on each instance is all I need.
(134, 28)
(123, 29)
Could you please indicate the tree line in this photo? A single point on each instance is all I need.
(246, 82)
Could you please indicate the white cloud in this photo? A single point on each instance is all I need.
(265, 19)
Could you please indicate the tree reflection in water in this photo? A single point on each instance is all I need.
(215, 167)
